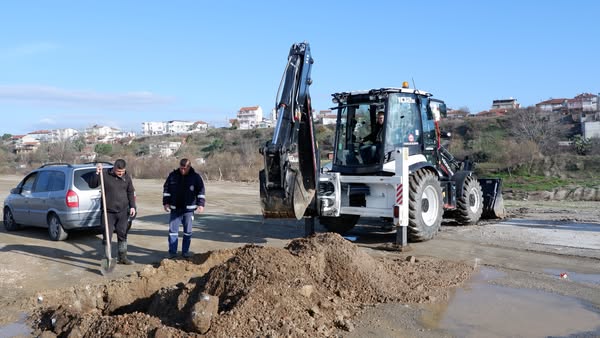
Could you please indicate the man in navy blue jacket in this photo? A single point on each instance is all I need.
(183, 194)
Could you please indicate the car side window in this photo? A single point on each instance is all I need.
(81, 178)
(27, 185)
(57, 181)
(42, 182)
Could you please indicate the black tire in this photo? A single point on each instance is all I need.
(55, 228)
(340, 225)
(9, 220)
(425, 206)
(469, 204)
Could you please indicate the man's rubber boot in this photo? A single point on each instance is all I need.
(123, 254)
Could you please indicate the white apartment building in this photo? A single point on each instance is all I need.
(179, 127)
(154, 128)
(64, 134)
(250, 117)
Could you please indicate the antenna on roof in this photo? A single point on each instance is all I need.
(413, 81)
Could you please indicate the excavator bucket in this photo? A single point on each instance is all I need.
(493, 203)
(290, 202)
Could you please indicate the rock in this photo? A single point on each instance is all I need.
(306, 290)
(205, 309)
(411, 259)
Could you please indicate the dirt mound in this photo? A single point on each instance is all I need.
(313, 287)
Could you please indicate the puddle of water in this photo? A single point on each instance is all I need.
(574, 276)
(17, 329)
(485, 310)
(554, 225)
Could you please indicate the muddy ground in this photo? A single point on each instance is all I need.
(251, 277)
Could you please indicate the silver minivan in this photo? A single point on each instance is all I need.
(56, 196)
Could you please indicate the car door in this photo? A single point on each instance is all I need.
(56, 200)
(20, 200)
(38, 202)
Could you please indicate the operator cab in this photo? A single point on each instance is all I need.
(406, 118)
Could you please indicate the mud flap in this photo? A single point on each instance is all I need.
(493, 202)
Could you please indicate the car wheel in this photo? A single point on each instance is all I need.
(9, 220)
(55, 229)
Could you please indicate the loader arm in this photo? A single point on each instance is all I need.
(289, 179)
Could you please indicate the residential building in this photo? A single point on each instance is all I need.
(154, 128)
(249, 117)
(456, 114)
(64, 134)
(199, 126)
(553, 105)
(41, 135)
(585, 102)
(179, 127)
(509, 103)
(25, 143)
(164, 149)
(328, 119)
(591, 129)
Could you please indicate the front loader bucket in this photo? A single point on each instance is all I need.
(493, 203)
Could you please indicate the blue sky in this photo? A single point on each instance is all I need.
(119, 63)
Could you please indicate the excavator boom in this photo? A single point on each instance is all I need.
(289, 178)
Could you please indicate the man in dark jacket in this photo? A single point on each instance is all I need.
(373, 152)
(120, 203)
(183, 194)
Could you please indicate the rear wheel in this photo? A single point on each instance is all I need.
(341, 224)
(425, 206)
(469, 204)
(55, 229)
(9, 221)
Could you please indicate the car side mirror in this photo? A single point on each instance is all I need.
(15, 191)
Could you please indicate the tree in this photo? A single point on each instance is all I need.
(542, 128)
(62, 151)
(103, 149)
(583, 145)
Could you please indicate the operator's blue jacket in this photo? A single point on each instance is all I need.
(184, 192)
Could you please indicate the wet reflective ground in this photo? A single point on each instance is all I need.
(481, 309)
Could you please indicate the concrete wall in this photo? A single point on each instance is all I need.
(591, 129)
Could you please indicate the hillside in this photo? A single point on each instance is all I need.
(517, 147)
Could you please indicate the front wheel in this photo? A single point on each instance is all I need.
(9, 220)
(55, 229)
(340, 225)
(425, 206)
(469, 204)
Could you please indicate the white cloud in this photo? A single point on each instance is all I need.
(46, 95)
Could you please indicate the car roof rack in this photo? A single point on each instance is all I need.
(96, 162)
(55, 164)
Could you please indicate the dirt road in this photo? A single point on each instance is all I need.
(529, 251)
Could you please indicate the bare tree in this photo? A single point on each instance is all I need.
(542, 128)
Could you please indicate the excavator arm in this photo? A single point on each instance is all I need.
(289, 179)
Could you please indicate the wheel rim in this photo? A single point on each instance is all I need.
(474, 201)
(429, 206)
(8, 218)
(54, 224)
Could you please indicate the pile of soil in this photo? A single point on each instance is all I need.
(313, 287)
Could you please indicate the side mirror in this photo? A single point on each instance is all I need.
(15, 191)
(438, 110)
